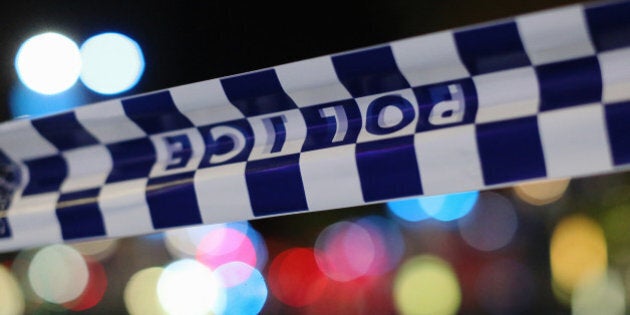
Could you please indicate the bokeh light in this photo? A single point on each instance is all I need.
(427, 285)
(183, 242)
(28, 104)
(187, 286)
(112, 63)
(388, 242)
(542, 192)
(48, 63)
(99, 250)
(95, 289)
(441, 207)
(58, 273)
(140, 293)
(223, 245)
(506, 286)
(577, 251)
(492, 225)
(243, 296)
(294, 277)
(604, 294)
(11, 297)
(345, 251)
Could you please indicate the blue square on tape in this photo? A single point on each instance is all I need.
(491, 48)
(388, 169)
(45, 174)
(510, 150)
(5, 228)
(369, 71)
(131, 159)
(275, 185)
(618, 125)
(609, 25)
(257, 93)
(569, 83)
(172, 201)
(155, 113)
(64, 131)
(331, 124)
(79, 215)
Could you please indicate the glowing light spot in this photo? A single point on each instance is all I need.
(577, 251)
(58, 273)
(188, 287)
(426, 285)
(295, 279)
(600, 295)
(141, 292)
(11, 298)
(492, 226)
(408, 210)
(243, 296)
(28, 104)
(345, 251)
(112, 63)
(542, 192)
(99, 250)
(449, 207)
(506, 287)
(441, 207)
(183, 242)
(224, 245)
(48, 63)
(94, 290)
(388, 242)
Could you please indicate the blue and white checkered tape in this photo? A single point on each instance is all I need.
(542, 95)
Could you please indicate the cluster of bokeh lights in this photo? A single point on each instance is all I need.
(50, 64)
(361, 264)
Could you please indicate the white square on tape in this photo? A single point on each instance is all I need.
(615, 67)
(222, 194)
(108, 122)
(507, 94)
(124, 208)
(21, 141)
(87, 168)
(448, 160)
(429, 59)
(311, 82)
(204, 103)
(555, 35)
(33, 219)
(330, 177)
(574, 141)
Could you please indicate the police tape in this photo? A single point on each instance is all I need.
(541, 95)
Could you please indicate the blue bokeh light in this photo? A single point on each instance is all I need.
(243, 297)
(26, 103)
(441, 207)
(112, 63)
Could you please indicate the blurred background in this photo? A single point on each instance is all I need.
(555, 247)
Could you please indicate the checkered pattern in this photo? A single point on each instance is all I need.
(544, 95)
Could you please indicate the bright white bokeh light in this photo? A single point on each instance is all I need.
(48, 63)
(189, 287)
(112, 63)
(58, 273)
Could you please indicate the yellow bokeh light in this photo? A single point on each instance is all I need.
(11, 297)
(578, 252)
(427, 285)
(141, 292)
(540, 193)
